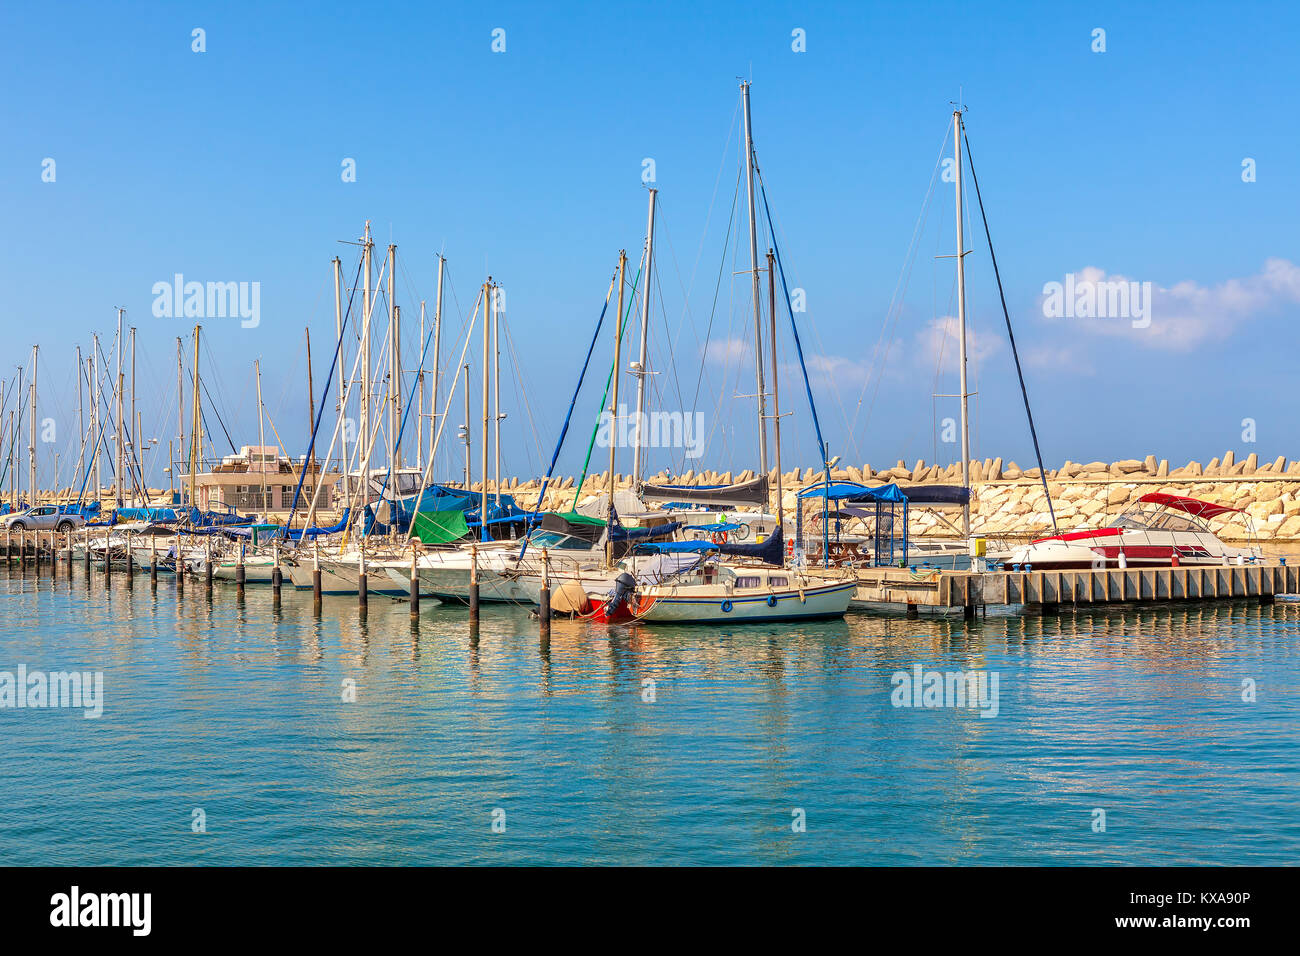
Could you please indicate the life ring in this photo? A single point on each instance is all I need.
(771, 600)
(726, 607)
(720, 537)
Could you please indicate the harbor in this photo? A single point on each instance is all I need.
(520, 437)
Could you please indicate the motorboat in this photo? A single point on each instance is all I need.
(1159, 530)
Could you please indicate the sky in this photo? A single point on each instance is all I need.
(1158, 153)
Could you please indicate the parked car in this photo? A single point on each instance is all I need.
(42, 518)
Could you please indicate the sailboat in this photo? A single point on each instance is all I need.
(738, 583)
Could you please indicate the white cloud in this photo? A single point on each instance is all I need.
(1188, 314)
(939, 344)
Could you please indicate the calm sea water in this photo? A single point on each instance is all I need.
(237, 711)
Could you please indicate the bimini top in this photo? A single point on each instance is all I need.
(1191, 506)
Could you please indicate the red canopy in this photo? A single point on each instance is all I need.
(1192, 506)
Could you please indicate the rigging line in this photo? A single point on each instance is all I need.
(519, 397)
(661, 218)
(564, 429)
(622, 331)
(1015, 354)
(717, 288)
(216, 411)
(839, 400)
(896, 301)
(794, 328)
(309, 459)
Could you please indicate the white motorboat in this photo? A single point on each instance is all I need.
(1159, 530)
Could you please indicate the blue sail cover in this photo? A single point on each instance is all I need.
(769, 552)
(890, 492)
(434, 498)
(497, 512)
(160, 515)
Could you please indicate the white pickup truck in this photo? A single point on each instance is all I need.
(42, 518)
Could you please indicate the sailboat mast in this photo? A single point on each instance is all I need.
(487, 381)
(437, 360)
(309, 467)
(776, 395)
(196, 432)
(642, 371)
(81, 417)
(121, 381)
(31, 430)
(753, 270)
(363, 451)
(261, 438)
(496, 403)
(94, 412)
(613, 406)
(394, 364)
(134, 419)
(342, 405)
(419, 408)
(961, 325)
(180, 406)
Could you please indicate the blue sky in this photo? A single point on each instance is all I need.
(225, 166)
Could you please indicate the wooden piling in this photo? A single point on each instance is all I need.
(415, 586)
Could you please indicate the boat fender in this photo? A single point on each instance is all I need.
(803, 598)
(726, 607)
(771, 600)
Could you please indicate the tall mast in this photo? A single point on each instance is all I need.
(196, 431)
(753, 269)
(419, 408)
(133, 420)
(641, 370)
(31, 430)
(261, 438)
(121, 449)
(363, 452)
(496, 401)
(13, 463)
(487, 381)
(394, 364)
(961, 325)
(94, 413)
(776, 395)
(309, 466)
(180, 405)
(342, 405)
(437, 359)
(613, 407)
(81, 417)
(468, 457)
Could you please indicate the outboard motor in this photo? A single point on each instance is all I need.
(624, 585)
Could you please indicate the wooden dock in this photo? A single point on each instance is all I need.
(1046, 591)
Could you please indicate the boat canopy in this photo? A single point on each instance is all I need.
(745, 493)
(574, 525)
(1192, 506)
(935, 494)
(836, 490)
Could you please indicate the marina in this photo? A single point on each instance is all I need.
(555, 437)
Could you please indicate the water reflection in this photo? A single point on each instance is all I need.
(643, 744)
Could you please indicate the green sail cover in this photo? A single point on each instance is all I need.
(440, 527)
